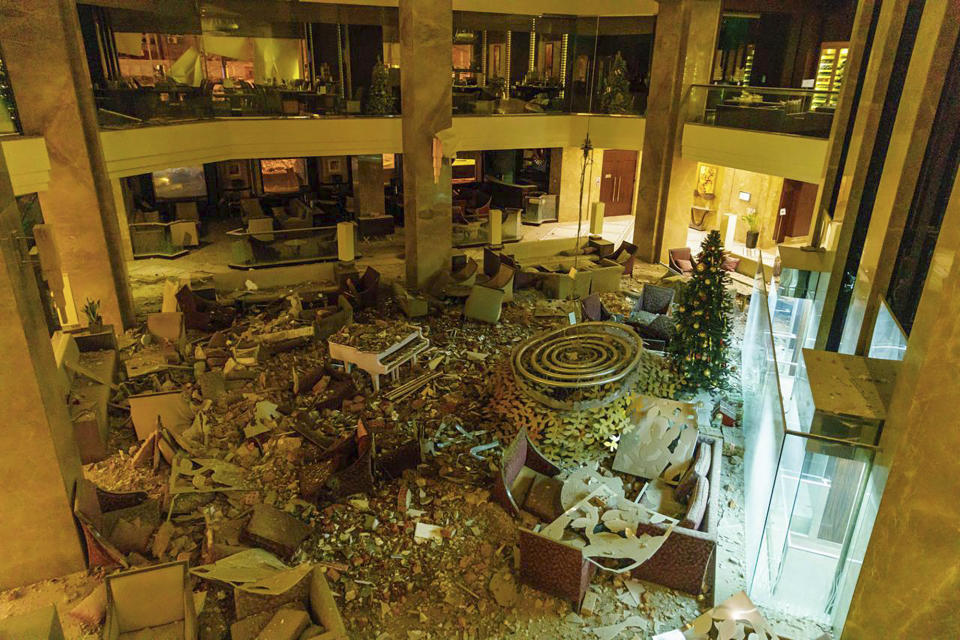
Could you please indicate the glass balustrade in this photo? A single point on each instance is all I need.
(789, 111)
(186, 63)
(811, 488)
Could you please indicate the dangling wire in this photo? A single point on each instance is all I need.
(587, 148)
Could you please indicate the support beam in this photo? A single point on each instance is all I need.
(58, 104)
(909, 580)
(39, 461)
(425, 28)
(683, 51)
(866, 148)
(368, 200)
(924, 85)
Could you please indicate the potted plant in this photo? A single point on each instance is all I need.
(380, 100)
(752, 220)
(91, 308)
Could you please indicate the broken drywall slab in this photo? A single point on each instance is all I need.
(166, 326)
(661, 441)
(169, 407)
(608, 521)
(248, 566)
(733, 619)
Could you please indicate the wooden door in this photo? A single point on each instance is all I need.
(797, 201)
(616, 182)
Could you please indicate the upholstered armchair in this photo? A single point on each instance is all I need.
(681, 260)
(626, 255)
(651, 316)
(527, 482)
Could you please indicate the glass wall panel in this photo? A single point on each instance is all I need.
(179, 182)
(810, 526)
(284, 175)
(763, 421)
(180, 61)
(789, 111)
(889, 342)
(810, 498)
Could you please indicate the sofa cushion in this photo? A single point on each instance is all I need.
(685, 487)
(702, 458)
(642, 317)
(730, 263)
(522, 484)
(543, 499)
(697, 505)
(686, 266)
(662, 328)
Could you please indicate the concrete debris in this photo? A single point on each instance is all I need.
(504, 588)
(398, 526)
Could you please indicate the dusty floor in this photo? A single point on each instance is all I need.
(389, 585)
(385, 254)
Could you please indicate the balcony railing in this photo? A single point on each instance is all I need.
(804, 112)
(126, 107)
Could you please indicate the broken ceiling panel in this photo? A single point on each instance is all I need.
(661, 441)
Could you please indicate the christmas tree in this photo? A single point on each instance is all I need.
(615, 89)
(380, 100)
(699, 350)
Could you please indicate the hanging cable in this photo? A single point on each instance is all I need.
(587, 148)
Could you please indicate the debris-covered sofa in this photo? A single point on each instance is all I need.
(113, 523)
(527, 483)
(687, 560)
(527, 487)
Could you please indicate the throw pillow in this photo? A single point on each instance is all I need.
(685, 266)
(730, 263)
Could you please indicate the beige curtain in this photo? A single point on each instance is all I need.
(188, 69)
(130, 44)
(276, 58)
(226, 46)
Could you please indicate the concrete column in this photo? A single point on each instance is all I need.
(51, 83)
(123, 203)
(929, 65)
(854, 173)
(39, 462)
(909, 582)
(683, 51)
(427, 46)
(368, 197)
(829, 183)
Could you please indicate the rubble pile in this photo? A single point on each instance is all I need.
(423, 552)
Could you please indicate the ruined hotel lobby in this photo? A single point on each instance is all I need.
(635, 322)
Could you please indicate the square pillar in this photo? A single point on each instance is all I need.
(39, 461)
(908, 583)
(426, 47)
(58, 105)
(683, 50)
(368, 186)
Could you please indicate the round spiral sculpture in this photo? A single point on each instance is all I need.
(582, 366)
